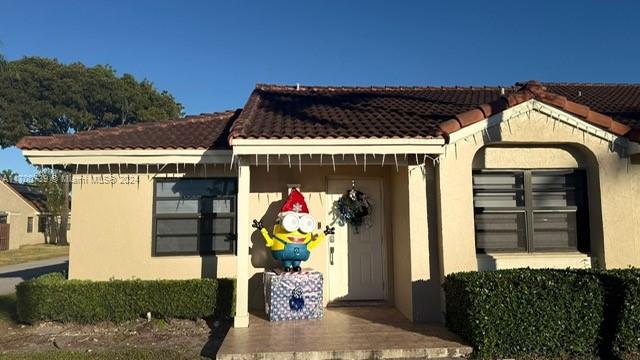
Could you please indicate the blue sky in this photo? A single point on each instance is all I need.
(209, 55)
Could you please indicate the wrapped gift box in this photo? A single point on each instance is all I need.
(293, 296)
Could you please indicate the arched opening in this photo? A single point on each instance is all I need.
(537, 205)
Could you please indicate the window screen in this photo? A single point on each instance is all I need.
(530, 210)
(195, 216)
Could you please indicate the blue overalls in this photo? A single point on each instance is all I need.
(292, 254)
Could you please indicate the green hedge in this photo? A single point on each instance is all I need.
(621, 337)
(52, 297)
(548, 313)
(515, 313)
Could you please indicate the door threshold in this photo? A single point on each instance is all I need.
(353, 303)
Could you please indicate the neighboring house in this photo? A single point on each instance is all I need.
(460, 179)
(23, 211)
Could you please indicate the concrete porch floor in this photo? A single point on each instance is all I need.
(343, 333)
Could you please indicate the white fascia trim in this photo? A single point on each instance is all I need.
(98, 157)
(334, 142)
(535, 105)
(338, 146)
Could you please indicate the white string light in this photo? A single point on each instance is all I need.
(585, 129)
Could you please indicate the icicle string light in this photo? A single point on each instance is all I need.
(614, 142)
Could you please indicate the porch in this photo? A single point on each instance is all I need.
(344, 332)
(390, 259)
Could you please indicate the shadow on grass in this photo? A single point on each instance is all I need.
(219, 329)
(8, 309)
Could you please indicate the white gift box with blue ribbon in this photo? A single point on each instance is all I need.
(293, 296)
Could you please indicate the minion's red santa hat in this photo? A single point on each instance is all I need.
(294, 214)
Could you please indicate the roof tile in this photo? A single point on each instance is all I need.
(597, 118)
(205, 131)
(578, 109)
(617, 128)
(470, 117)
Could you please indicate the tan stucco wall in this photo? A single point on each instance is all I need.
(613, 211)
(417, 282)
(534, 261)
(19, 211)
(111, 234)
(401, 244)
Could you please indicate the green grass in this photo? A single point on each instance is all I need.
(8, 308)
(124, 354)
(28, 253)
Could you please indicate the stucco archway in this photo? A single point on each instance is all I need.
(548, 156)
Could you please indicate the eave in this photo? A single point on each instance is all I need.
(100, 157)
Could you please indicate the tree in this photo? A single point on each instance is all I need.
(3, 63)
(40, 96)
(8, 175)
(54, 184)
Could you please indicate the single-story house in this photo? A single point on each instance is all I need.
(23, 215)
(459, 179)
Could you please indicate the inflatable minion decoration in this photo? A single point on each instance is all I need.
(294, 234)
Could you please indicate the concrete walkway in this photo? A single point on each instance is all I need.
(343, 333)
(12, 275)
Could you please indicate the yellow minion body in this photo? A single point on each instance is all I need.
(282, 237)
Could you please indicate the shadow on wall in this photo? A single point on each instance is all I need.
(427, 296)
(209, 267)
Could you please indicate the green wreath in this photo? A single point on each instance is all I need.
(353, 208)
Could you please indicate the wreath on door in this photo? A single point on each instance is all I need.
(354, 208)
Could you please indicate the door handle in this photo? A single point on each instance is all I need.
(331, 250)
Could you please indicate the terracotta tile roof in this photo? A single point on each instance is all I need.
(619, 101)
(334, 112)
(205, 131)
(31, 195)
(613, 117)
(291, 112)
(285, 112)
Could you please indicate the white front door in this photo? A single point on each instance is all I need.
(356, 268)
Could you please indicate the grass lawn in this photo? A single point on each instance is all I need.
(171, 339)
(32, 253)
(124, 354)
(133, 354)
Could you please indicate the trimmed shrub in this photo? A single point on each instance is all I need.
(51, 297)
(524, 312)
(622, 335)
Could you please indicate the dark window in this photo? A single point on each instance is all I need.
(531, 210)
(43, 223)
(194, 216)
(30, 224)
(3, 219)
